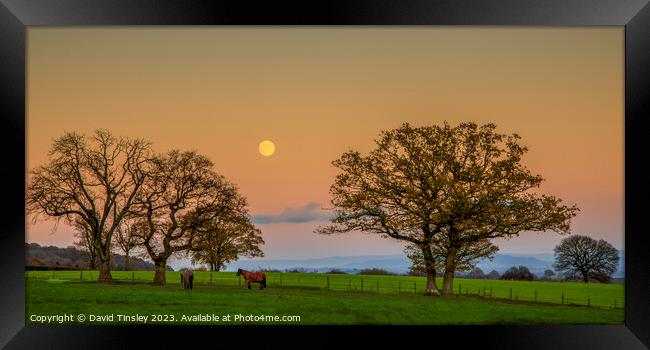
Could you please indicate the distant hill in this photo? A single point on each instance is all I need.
(536, 263)
(38, 256)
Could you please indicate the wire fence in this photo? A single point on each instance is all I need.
(538, 292)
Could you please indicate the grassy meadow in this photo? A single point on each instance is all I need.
(322, 299)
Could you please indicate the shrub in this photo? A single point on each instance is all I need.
(269, 270)
(374, 271)
(416, 273)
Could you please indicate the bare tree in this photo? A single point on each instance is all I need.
(226, 239)
(127, 240)
(89, 181)
(466, 183)
(84, 242)
(584, 258)
(179, 200)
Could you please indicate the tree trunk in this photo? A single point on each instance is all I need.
(126, 261)
(450, 268)
(159, 277)
(93, 259)
(105, 270)
(430, 268)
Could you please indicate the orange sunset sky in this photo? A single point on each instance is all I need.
(316, 92)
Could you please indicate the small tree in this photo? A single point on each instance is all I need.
(586, 259)
(226, 238)
(127, 240)
(548, 275)
(493, 275)
(520, 273)
(85, 242)
(476, 273)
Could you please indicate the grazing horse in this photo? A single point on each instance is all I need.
(258, 277)
(187, 279)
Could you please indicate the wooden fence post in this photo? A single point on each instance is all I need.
(280, 279)
(535, 295)
(415, 287)
(349, 285)
(362, 284)
(239, 278)
(133, 276)
(81, 274)
(377, 286)
(328, 282)
(459, 288)
(510, 293)
(588, 301)
(483, 290)
(562, 297)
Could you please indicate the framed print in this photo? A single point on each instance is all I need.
(421, 171)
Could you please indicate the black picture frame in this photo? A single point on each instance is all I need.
(634, 15)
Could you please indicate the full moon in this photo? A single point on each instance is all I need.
(267, 148)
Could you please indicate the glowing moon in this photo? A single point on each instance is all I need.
(267, 148)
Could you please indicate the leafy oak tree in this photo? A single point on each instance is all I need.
(226, 238)
(90, 183)
(586, 259)
(463, 184)
(179, 200)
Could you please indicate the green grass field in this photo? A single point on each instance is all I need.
(592, 294)
(400, 299)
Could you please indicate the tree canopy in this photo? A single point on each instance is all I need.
(226, 238)
(116, 192)
(90, 182)
(180, 199)
(584, 258)
(428, 184)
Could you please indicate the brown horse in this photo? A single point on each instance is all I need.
(258, 277)
(187, 279)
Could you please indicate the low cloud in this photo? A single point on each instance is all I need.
(307, 213)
